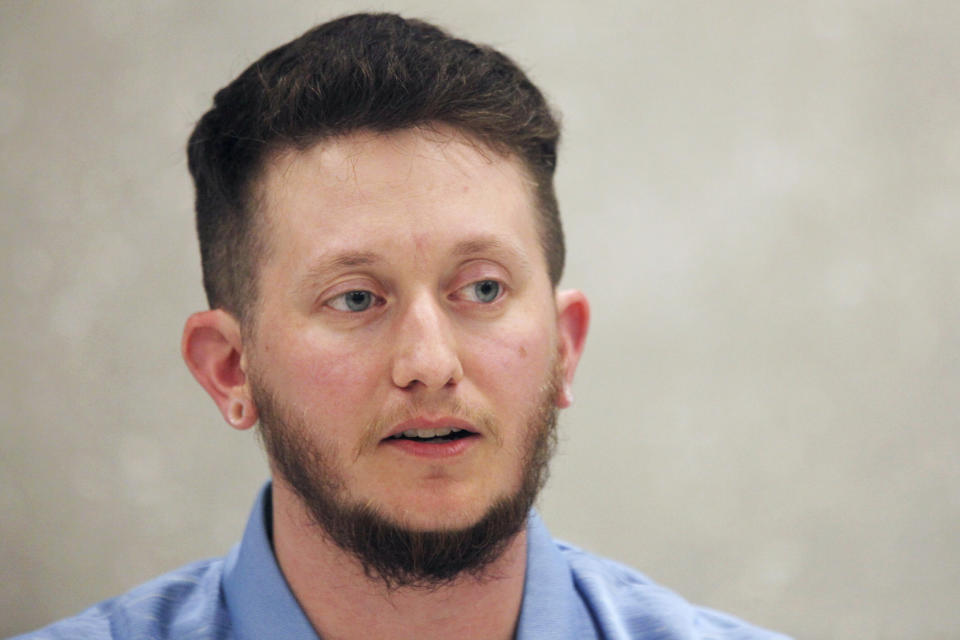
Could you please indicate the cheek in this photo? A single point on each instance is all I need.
(321, 376)
(515, 362)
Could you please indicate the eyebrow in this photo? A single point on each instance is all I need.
(481, 246)
(352, 259)
(344, 260)
(486, 245)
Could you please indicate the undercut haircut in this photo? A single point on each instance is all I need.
(374, 72)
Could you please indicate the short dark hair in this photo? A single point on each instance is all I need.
(377, 72)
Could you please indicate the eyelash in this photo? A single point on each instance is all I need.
(375, 300)
(499, 293)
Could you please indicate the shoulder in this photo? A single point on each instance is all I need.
(625, 603)
(185, 603)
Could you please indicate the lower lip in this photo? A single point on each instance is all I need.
(432, 449)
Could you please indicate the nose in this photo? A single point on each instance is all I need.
(425, 349)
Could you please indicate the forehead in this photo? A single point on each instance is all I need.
(410, 189)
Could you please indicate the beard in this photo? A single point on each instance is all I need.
(388, 551)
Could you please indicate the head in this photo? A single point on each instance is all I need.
(381, 248)
(373, 72)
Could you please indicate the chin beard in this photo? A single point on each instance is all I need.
(387, 551)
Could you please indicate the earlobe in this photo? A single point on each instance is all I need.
(573, 320)
(212, 348)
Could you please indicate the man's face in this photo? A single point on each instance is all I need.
(405, 290)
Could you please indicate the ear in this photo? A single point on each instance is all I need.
(573, 319)
(212, 347)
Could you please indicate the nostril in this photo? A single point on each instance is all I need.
(426, 351)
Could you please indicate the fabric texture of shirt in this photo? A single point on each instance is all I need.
(568, 593)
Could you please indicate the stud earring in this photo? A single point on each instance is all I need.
(236, 412)
(565, 397)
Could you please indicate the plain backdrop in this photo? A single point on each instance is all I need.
(760, 199)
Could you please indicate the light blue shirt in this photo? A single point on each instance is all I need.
(568, 593)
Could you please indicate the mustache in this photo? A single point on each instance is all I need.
(483, 421)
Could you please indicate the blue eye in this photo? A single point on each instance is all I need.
(486, 290)
(358, 300)
(354, 301)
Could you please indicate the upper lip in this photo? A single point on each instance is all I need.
(443, 422)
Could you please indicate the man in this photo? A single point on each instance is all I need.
(381, 246)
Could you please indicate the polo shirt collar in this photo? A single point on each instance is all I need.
(261, 604)
(552, 607)
(258, 597)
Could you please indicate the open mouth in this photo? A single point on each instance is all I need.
(433, 435)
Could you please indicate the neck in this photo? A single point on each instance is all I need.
(342, 602)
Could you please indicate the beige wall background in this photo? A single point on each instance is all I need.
(761, 200)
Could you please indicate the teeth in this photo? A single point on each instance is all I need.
(429, 433)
